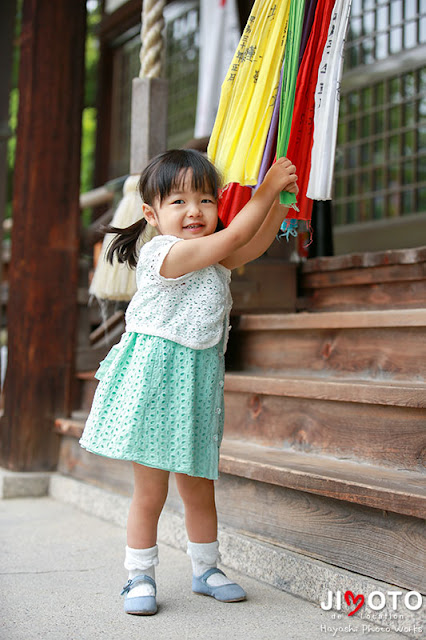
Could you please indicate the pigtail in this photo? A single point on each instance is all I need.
(125, 243)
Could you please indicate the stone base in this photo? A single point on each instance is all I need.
(20, 484)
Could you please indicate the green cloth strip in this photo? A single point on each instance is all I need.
(291, 67)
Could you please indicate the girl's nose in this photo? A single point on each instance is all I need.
(194, 210)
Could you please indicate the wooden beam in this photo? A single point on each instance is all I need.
(149, 121)
(334, 320)
(45, 243)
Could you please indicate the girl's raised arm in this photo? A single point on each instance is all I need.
(264, 237)
(198, 253)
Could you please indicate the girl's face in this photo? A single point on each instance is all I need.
(184, 213)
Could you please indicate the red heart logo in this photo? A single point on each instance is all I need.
(351, 599)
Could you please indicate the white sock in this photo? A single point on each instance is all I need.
(138, 562)
(205, 556)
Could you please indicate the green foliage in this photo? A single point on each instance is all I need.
(92, 55)
(11, 146)
(88, 143)
(89, 120)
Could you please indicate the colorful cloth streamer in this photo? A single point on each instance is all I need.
(231, 200)
(248, 94)
(310, 8)
(270, 150)
(269, 153)
(300, 112)
(291, 65)
(327, 105)
(302, 129)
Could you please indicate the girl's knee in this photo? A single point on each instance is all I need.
(194, 490)
(150, 484)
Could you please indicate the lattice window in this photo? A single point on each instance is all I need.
(380, 28)
(126, 66)
(381, 154)
(181, 71)
(182, 57)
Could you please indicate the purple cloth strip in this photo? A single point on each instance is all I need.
(270, 149)
(271, 140)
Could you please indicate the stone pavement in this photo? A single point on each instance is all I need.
(61, 572)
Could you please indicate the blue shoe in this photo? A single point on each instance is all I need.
(141, 605)
(226, 593)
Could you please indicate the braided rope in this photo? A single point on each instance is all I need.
(151, 55)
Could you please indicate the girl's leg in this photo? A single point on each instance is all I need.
(149, 496)
(200, 507)
(203, 548)
(150, 492)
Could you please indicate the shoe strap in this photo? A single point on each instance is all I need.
(137, 580)
(209, 573)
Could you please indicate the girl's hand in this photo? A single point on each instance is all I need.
(281, 176)
(293, 188)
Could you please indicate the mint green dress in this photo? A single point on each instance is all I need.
(160, 404)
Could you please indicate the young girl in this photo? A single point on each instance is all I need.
(159, 402)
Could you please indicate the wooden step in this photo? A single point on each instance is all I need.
(70, 426)
(335, 320)
(379, 280)
(346, 390)
(254, 286)
(366, 260)
(390, 489)
(339, 532)
(382, 345)
(87, 384)
(378, 423)
(395, 490)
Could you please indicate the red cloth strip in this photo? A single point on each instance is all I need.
(302, 128)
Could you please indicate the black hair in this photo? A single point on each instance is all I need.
(165, 173)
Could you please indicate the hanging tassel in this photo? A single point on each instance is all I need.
(288, 228)
(117, 281)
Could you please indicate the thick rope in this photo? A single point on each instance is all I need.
(152, 51)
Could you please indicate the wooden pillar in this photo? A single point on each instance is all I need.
(42, 306)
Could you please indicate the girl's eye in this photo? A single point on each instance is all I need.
(208, 200)
(178, 201)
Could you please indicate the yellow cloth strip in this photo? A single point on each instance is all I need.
(248, 94)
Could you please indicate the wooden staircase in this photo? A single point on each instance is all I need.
(325, 437)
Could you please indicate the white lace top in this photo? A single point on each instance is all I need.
(192, 310)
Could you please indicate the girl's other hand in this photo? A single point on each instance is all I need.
(281, 176)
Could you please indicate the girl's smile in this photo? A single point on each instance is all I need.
(185, 213)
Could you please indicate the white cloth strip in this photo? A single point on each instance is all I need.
(327, 101)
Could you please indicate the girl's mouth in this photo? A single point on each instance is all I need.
(194, 227)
